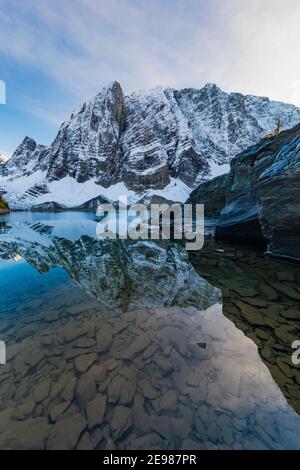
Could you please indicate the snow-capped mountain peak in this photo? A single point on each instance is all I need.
(148, 141)
(3, 159)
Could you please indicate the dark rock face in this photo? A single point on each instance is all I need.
(263, 198)
(248, 232)
(244, 211)
(212, 194)
(88, 144)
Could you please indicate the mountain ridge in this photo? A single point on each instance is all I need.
(143, 143)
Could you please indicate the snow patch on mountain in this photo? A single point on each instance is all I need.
(218, 170)
(176, 191)
(68, 193)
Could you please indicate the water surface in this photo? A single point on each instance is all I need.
(128, 345)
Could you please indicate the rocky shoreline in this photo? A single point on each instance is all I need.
(262, 196)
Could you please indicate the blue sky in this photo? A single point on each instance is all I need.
(54, 54)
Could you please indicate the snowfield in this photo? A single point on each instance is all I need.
(68, 193)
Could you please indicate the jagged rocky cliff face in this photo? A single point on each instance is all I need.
(164, 140)
(263, 196)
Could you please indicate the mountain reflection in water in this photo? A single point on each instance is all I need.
(116, 344)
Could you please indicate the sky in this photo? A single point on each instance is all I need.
(55, 54)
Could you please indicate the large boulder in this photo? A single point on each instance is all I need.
(263, 197)
(212, 194)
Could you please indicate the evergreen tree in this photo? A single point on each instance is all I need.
(3, 204)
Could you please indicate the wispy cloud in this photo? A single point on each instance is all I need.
(80, 45)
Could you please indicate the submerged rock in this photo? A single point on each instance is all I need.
(96, 411)
(121, 421)
(66, 433)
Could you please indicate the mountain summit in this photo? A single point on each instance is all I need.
(3, 159)
(162, 141)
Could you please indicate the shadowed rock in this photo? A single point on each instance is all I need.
(263, 198)
(212, 194)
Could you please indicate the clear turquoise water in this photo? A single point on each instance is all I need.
(21, 282)
(140, 345)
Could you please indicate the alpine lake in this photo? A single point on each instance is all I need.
(116, 344)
